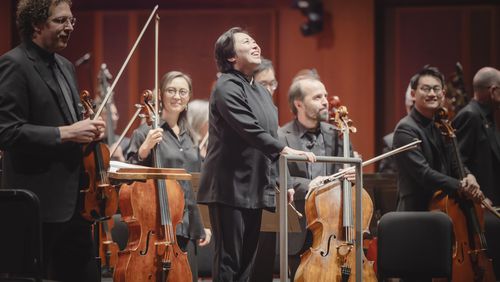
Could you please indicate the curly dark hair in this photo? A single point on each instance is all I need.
(33, 12)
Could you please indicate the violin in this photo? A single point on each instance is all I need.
(101, 198)
(470, 258)
(330, 218)
(152, 209)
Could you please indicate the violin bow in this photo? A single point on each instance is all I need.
(342, 173)
(110, 90)
(120, 139)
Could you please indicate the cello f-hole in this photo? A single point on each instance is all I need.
(145, 251)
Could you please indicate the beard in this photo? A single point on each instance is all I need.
(322, 116)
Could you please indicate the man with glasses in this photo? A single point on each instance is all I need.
(41, 134)
(430, 167)
(478, 133)
(265, 75)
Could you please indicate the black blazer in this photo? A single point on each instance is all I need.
(242, 145)
(480, 148)
(31, 108)
(300, 177)
(420, 171)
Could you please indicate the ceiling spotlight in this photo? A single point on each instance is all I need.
(313, 10)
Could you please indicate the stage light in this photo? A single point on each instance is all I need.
(313, 10)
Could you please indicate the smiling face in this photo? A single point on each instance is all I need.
(313, 108)
(247, 53)
(428, 95)
(176, 96)
(53, 35)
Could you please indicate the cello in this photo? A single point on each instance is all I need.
(470, 258)
(151, 211)
(329, 212)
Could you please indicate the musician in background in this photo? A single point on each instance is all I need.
(307, 99)
(120, 152)
(235, 181)
(177, 150)
(478, 134)
(429, 168)
(388, 165)
(41, 135)
(265, 75)
(197, 117)
(266, 251)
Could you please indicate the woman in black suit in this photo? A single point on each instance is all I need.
(243, 143)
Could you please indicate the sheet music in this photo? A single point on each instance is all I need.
(114, 166)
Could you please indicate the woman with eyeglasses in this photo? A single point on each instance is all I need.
(178, 150)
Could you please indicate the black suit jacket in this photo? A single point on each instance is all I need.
(420, 171)
(242, 144)
(31, 108)
(300, 177)
(480, 148)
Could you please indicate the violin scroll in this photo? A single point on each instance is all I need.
(150, 115)
(443, 123)
(88, 104)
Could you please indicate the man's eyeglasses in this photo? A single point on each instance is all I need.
(427, 89)
(64, 20)
(171, 91)
(269, 84)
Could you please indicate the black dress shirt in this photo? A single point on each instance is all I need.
(175, 153)
(242, 145)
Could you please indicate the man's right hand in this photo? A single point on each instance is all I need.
(84, 131)
(470, 188)
(311, 157)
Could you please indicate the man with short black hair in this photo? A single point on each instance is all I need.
(430, 167)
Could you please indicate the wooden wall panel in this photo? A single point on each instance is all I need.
(343, 55)
(6, 25)
(440, 36)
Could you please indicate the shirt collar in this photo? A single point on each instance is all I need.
(484, 108)
(416, 115)
(302, 130)
(46, 56)
(164, 124)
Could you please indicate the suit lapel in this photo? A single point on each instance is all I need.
(47, 76)
(493, 136)
(71, 82)
(330, 139)
(292, 138)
